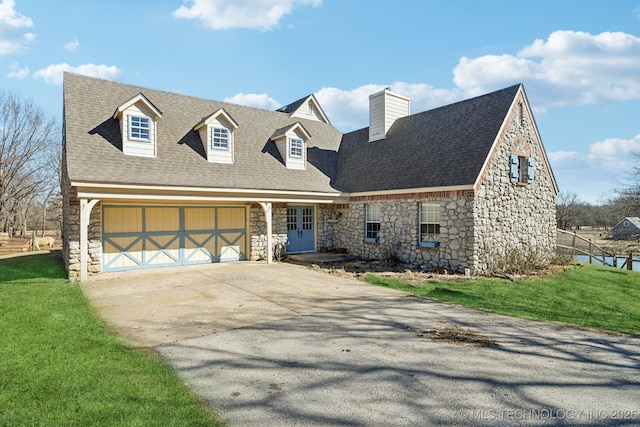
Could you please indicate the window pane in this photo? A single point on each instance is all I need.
(220, 138)
(429, 222)
(292, 219)
(295, 147)
(522, 169)
(373, 229)
(373, 213)
(139, 127)
(307, 219)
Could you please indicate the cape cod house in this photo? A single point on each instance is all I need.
(153, 179)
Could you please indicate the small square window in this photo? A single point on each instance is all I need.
(220, 138)
(295, 147)
(139, 128)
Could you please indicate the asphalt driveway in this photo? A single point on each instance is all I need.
(273, 345)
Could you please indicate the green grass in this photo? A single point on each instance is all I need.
(60, 366)
(588, 296)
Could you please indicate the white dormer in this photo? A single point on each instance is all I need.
(138, 117)
(216, 132)
(292, 145)
(305, 108)
(385, 108)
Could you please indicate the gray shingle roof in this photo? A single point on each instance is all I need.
(446, 146)
(441, 147)
(94, 145)
(290, 108)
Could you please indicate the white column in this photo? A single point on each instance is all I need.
(85, 215)
(266, 207)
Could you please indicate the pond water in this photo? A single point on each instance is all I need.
(621, 260)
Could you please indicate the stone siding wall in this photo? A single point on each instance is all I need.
(259, 230)
(515, 221)
(71, 238)
(399, 230)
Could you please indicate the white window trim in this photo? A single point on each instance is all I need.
(130, 117)
(429, 220)
(213, 132)
(293, 148)
(369, 220)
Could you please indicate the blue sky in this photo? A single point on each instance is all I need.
(579, 60)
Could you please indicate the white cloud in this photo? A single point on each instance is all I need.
(53, 73)
(72, 45)
(568, 68)
(349, 109)
(261, 100)
(612, 154)
(226, 14)
(597, 171)
(12, 23)
(17, 72)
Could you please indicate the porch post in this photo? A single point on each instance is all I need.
(266, 207)
(85, 215)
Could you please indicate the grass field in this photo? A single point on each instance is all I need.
(583, 295)
(59, 366)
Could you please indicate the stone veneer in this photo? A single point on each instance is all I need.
(515, 217)
(71, 238)
(399, 225)
(258, 230)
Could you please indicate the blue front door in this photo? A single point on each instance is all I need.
(300, 231)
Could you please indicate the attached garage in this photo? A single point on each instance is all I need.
(135, 237)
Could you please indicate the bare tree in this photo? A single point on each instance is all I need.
(627, 199)
(28, 143)
(567, 209)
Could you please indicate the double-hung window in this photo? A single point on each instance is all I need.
(295, 147)
(430, 224)
(140, 128)
(220, 138)
(372, 220)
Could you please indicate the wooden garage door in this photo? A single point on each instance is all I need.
(158, 236)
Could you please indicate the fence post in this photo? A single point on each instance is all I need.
(615, 261)
(590, 252)
(34, 244)
(630, 261)
(573, 246)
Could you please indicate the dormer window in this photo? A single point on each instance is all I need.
(291, 142)
(217, 136)
(295, 147)
(138, 119)
(220, 138)
(139, 128)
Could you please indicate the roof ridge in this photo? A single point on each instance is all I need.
(141, 88)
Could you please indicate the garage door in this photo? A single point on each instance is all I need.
(158, 236)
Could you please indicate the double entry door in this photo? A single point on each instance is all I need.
(300, 231)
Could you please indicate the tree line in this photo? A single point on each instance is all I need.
(624, 202)
(30, 158)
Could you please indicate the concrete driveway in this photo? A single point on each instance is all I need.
(273, 345)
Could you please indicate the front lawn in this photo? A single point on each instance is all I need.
(59, 366)
(583, 295)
